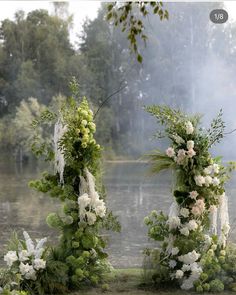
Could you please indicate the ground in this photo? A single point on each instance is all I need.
(127, 281)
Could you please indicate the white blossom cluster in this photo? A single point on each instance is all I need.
(29, 260)
(90, 204)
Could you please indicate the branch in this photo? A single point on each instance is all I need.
(230, 132)
(110, 96)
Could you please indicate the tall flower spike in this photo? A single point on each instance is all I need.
(59, 131)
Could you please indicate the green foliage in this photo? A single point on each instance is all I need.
(125, 16)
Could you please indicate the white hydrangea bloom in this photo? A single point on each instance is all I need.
(189, 258)
(10, 258)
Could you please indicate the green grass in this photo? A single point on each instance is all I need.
(128, 281)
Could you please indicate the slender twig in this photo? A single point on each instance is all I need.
(230, 132)
(110, 96)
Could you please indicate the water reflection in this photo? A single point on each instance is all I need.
(131, 194)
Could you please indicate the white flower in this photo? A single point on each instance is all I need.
(184, 231)
(178, 139)
(39, 264)
(175, 251)
(208, 170)
(189, 258)
(170, 152)
(174, 222)
(181, 156)
(200, 180)
(10, 258)
(193, 195)
(191, 153)
(179, 274)
(184, 212)
(190, 144)
(199, 207)
(27, 271)
(208, 239)
(215, 181)
(208, 180)
(84, 200)
(189, 127)
(23, 255)
(172, 263)
(216, 168)
(186, 267)
(91, 218)
(100, 211)
(192, 225)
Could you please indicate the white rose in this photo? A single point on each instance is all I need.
(170, 152)
(179, 274)
(192, 225)
(200, 180)
(184, 212)
(84, 200)
(184, 231)
(10, 258)
(208, 180)
(175, 251)
(193, 195)
(190, 144)
(189, 127)
(215, 181)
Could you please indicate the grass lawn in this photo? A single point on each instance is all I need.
(127, 281)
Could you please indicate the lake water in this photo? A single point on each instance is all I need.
(131, 195)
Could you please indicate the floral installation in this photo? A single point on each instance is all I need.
(76, 182)
(193, 247)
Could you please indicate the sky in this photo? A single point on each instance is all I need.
(80, 10)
